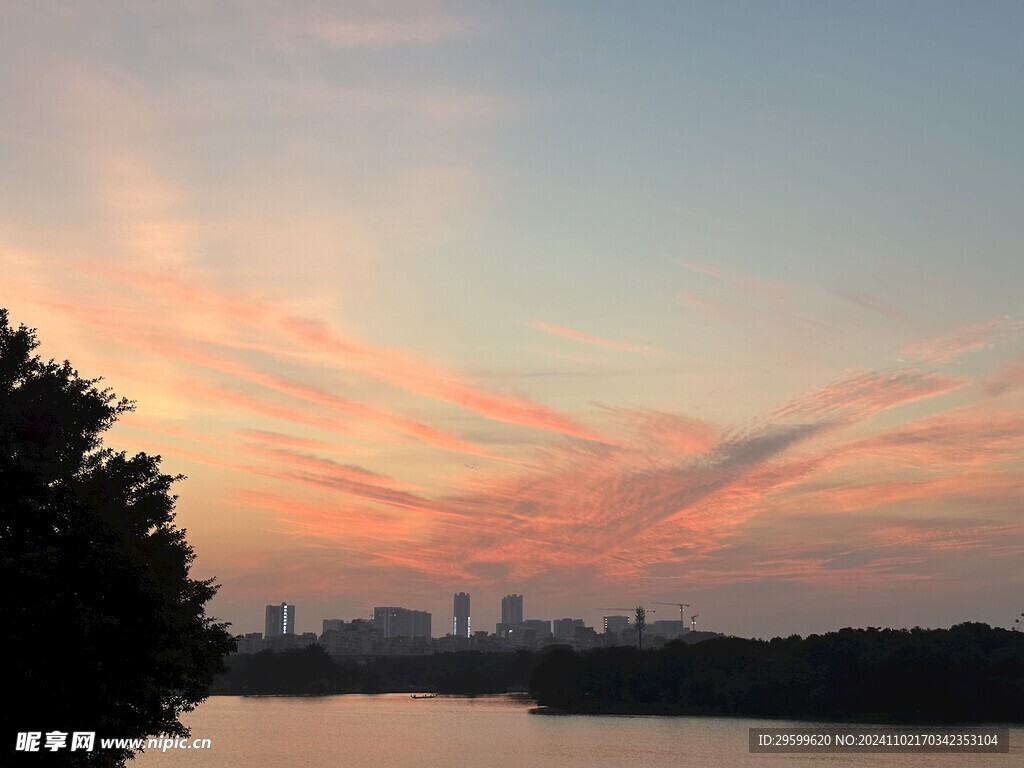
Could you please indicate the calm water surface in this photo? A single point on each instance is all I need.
(395, 731)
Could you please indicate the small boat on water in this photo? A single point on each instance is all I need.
(423, 695)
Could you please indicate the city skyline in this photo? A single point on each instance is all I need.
(384, 617)
(679, 302)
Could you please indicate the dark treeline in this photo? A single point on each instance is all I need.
(313, 671)
(968, 673)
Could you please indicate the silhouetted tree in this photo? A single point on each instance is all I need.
(641, 624)
(104, 629)
(968, 673)
(555, 681)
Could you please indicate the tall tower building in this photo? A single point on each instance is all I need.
(512, 609)
(461, 625)
(280, 620)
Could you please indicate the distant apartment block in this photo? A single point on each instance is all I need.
(512, 609)
(531, 633)
(354, 638)
(331, 625)
(564, 628)
(392, 621)
(670, 628)
(289, 642)
(542, 627)
(250, 642)
(280, 620)
(615, 624)
(584, 638)
(461, 621)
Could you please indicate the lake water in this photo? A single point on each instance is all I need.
(396, 731)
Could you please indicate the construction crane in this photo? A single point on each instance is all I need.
(693, 622)
(631, 610)
(681, 606)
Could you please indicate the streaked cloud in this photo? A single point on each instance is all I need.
(868, 302)
(942, 349)
(322, 244)
(597, 341)
(1009, 377)
(404, 370)
(358, 25)
(862, 394)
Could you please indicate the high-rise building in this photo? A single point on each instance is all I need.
(615, 624)
(565, 629)
(512, 609)
(280, 620)
(461, 624)
(391, 621)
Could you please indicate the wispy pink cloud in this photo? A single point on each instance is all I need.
(366, 25)
(279, 439)
(862, 394)
(597, 341)
(676, 434)
(164, 344)
(347, 528)
(942, 349)
(235, 398)
(774, 295)
(891, 492)
(704, 304)
(604, 500)
(948, 441)
(403, 370)
(399, 368)
(754, 284)
(1010, 377)
(868, 302)
(672, 495)
(959, 341)
(333, 402)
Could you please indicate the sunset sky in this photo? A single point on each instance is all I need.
(599, 303)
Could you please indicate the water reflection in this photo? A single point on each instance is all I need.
(396, 731)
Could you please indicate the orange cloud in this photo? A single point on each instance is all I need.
(395, 368)
(680, 435)
(398, 368)
(403, 370)
(319, 396)
(948, 441)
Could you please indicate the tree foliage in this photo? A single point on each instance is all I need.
(312, 671)
(105, 629)
(968, 673)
